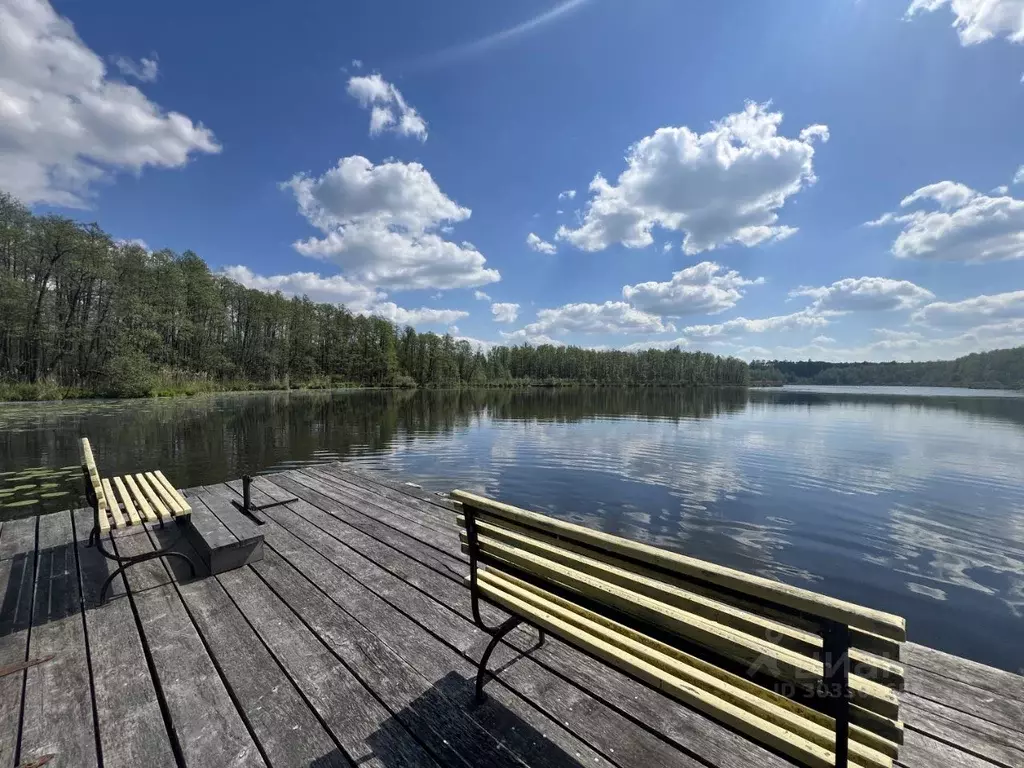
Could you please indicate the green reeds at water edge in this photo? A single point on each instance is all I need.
(37, 490)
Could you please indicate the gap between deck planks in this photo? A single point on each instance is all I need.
(966, 731)
(638, 703)
(364, 577)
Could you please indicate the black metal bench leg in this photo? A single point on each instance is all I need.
(124, 563)
(507, 626)
(836, 684)
(127, 563)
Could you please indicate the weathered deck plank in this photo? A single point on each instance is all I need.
(434, 660)
(352, 643)
(987, 678)
(266, 696)
(605, 725)
(357, 720)
(210, 731)
(131, 725)
(17, 580)
(57, 714)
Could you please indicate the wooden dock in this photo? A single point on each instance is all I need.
(351, 644)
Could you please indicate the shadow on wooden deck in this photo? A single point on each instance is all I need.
(430, 710)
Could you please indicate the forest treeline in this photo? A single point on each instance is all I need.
(81, 314)
(998, 369)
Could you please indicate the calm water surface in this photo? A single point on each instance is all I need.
(910, 501)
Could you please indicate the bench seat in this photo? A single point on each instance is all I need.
(143, 497)
(745, 650)
(131, 500)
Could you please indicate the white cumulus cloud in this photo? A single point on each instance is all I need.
(704, 288)
(639, 346)
(719, 187)
(505, 312)
(958, 224)
(979, 20)
(540, 246)
(978, 310)
(609, 317)
(380, 226)
(422, 316)
(144, 70)
(337, 289)
(389, 110)
(481, 296)
(524, 336)
(805, 318)
(569, 194)
(1018, 178)
(866, 293)
(63, 125)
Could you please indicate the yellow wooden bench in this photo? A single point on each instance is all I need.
(810, 676)
(143, 497)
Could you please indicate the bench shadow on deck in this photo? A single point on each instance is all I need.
(350, 644)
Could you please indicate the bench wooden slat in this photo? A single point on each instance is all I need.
(186, 508)
(886, 742)
(712, 681)
(730, 643)
(161, 491)
(115, 508)
(869, 643)
(767, 732)
(140, 499)
(126, 499)
(878, 622)
(94, 480)
(152, 497)
(675, 593)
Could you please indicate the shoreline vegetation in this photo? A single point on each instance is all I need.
(85, 316)
(997, 369)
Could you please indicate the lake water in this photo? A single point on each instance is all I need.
(910, 501)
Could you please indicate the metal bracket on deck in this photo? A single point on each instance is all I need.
(10, 669)
(247, 507)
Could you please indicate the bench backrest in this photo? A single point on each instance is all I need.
(752, 622)
(94, 484)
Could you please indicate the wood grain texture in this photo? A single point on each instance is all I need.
(966, 732)
(965, 671)
(17, 580)
(148, 515)
(878, 622)
(126, 499)
(169, 500)
(209, 729)
(358, 721)
(183, 504)
(132, 729)
(366, 589)
(356, 628)
(677, 594)
(57, 716)
(262, 689)
(809, 723)
(152, 497)
(733, 644)
(115, 508)
(589, 718)
(94, 475)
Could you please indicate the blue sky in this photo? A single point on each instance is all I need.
(830, 179)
